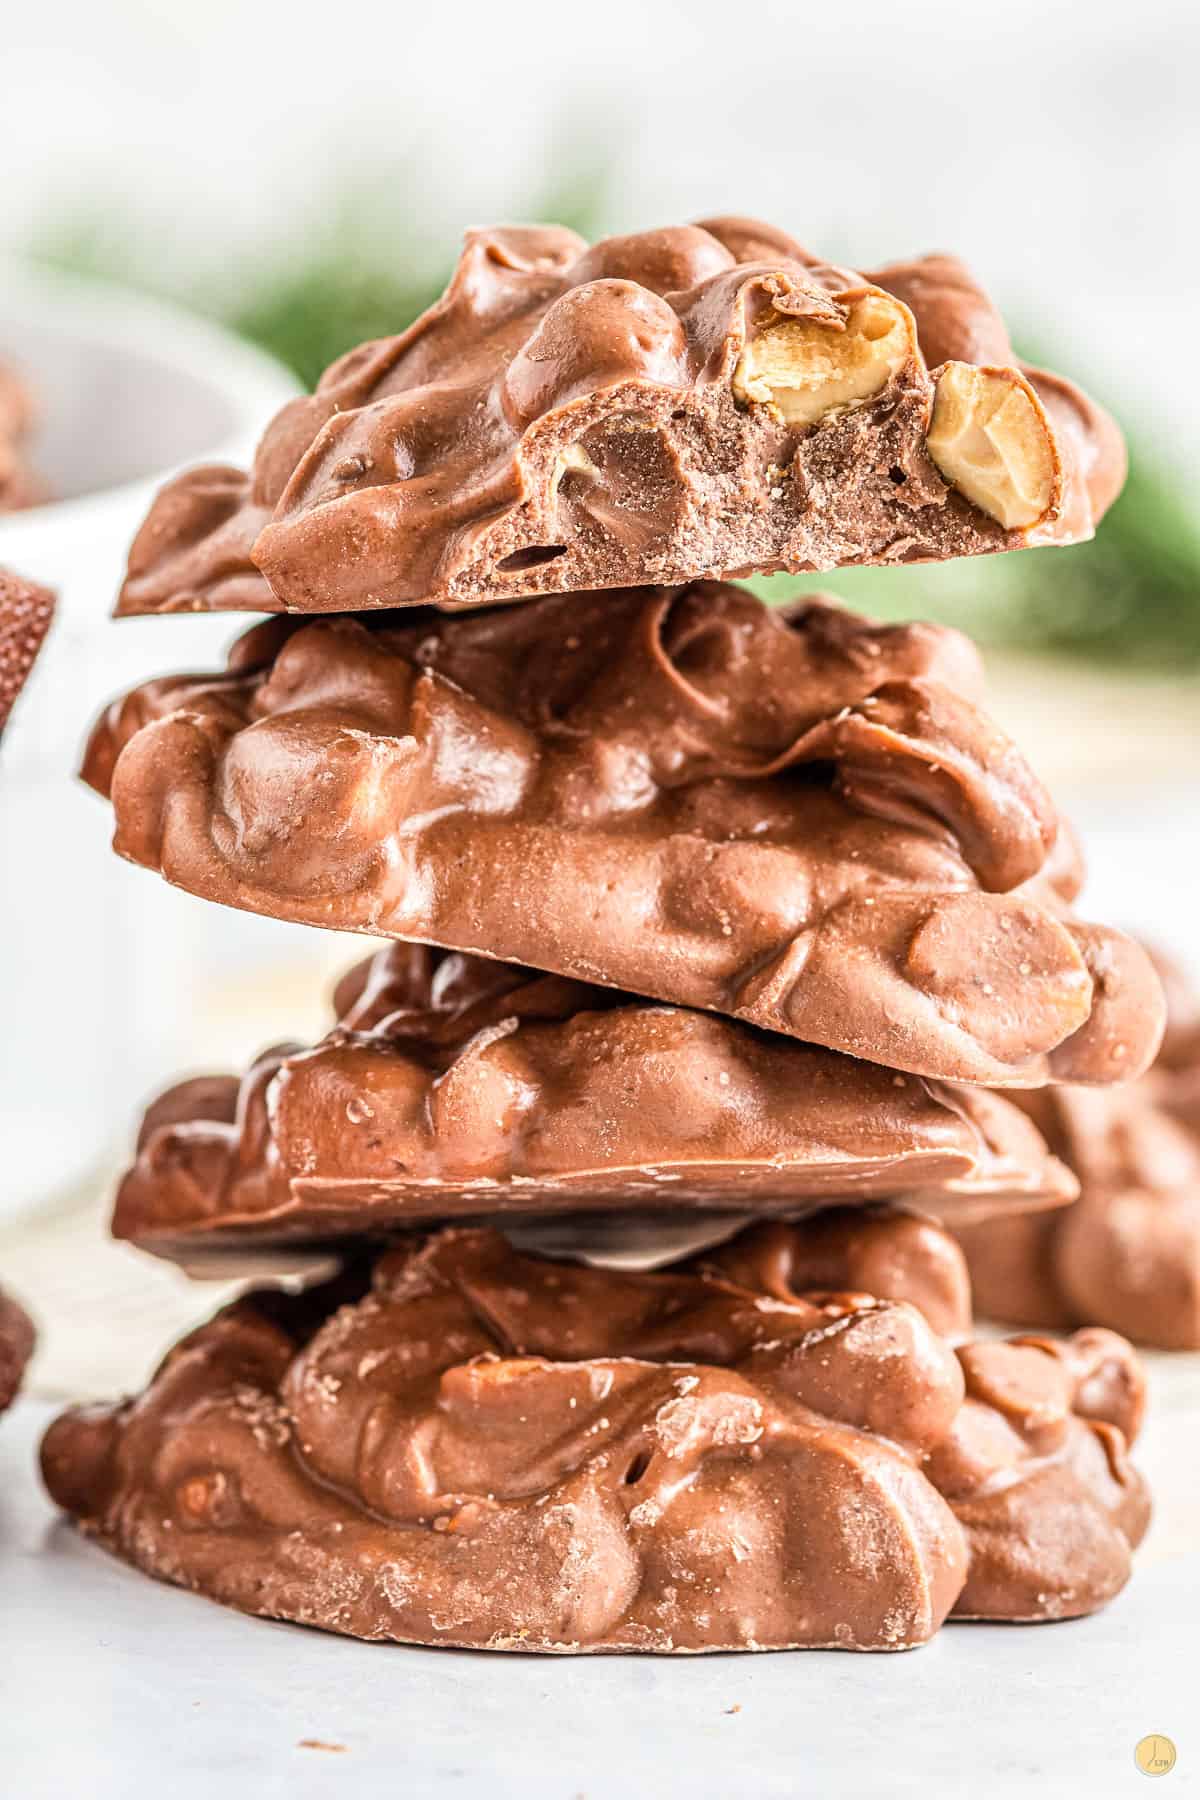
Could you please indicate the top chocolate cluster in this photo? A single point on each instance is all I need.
(702, 400)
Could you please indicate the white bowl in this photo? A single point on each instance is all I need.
(127, 388)
(98, 962)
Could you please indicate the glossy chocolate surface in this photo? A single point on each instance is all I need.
(455, 1086)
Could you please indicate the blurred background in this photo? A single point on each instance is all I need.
(309, 185)
(300, 177)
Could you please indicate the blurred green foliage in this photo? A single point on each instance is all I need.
(360, 281)
(1130, 596)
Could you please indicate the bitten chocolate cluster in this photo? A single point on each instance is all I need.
(706, 400)
(631, 1322)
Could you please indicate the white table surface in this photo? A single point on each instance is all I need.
(114, 1686)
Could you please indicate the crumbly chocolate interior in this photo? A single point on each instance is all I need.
(455, 1086)
(806, 821)
(570, 418)
(1127, 1253)
(468, 1446)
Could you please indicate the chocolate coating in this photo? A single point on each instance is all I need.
(1127, 1253)
(455, 1086)
(802, 820)
(565, 418)
(878, 1251)
(1035, 1469)
(492, 1450)
(25, 614)
(16, 1347)
(19, 486)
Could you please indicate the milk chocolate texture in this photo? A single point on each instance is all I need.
(805, 821)
(25, 614)
(1127, 1254)
(457, 1086)
(705, 400)
(469, 1446)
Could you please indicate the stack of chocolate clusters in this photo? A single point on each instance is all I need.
(622, 1176)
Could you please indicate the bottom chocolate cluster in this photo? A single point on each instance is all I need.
(468, 1445)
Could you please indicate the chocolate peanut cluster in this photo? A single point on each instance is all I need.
(468, 1446)
(706, 400)
(454, 1086)
(804, 821)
